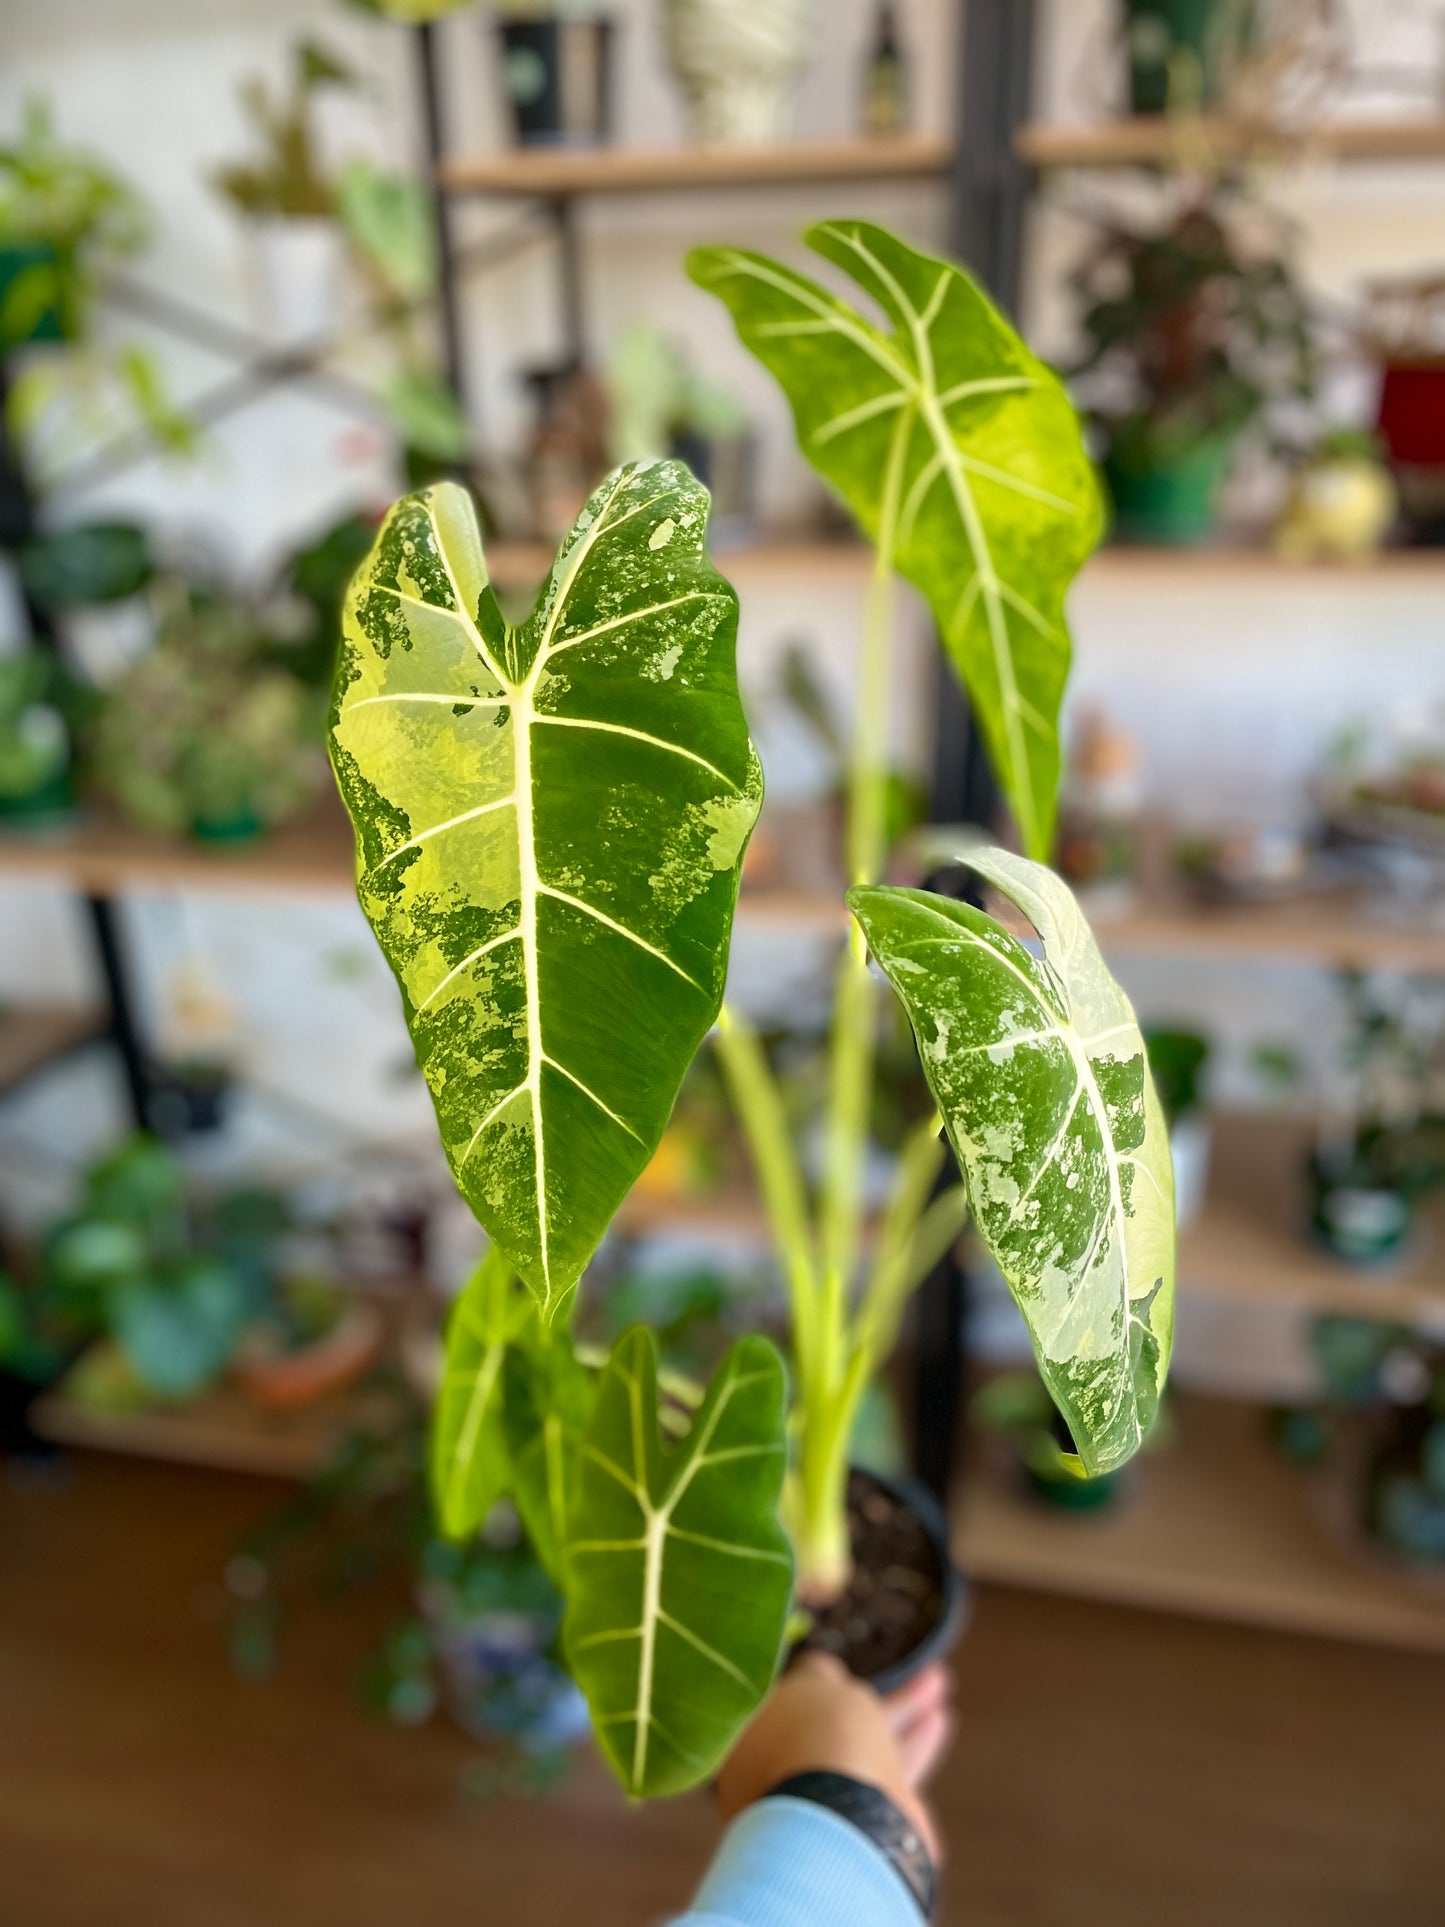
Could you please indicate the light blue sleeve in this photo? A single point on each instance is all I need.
(792, 1863)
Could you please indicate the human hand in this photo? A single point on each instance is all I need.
(818, 1718)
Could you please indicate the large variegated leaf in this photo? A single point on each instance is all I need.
(550, 824)
(957, 450)
(679, 1575)
(1041, 1075)
(547, 1401)
(470, 1469)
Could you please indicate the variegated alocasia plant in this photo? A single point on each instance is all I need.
(550, 825)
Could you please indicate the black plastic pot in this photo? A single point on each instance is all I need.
(831, 1629)
(558, 79)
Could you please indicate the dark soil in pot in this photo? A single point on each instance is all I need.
(904, 1604)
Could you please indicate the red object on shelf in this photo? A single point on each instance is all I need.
(1412, 413)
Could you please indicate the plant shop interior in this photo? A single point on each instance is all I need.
(722, 930)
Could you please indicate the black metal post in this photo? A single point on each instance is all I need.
(990, 188)
(569, 280)
(448, 288)
(124, 1030)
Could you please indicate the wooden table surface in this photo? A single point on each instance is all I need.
(1114, 1767)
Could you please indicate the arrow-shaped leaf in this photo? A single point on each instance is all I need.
(470, 1469)
(956, 449)
(550, 824)
(1041, 1075)
(679, 1575)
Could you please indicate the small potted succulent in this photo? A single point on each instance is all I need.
(551, 819)
(1191, 335)
(208, 733)
(288, 200)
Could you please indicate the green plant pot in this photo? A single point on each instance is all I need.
(1170, 504)
(33, 303)
(239, 826)
(1074, 1495)
(1358, 1218)
(1158, 32)
(49, 803)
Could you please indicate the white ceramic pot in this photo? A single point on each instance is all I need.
(737, 61)
(1189, 1143)
(297, 272)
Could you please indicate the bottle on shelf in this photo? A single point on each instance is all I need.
(885, 78)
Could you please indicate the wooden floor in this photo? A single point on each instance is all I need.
(1114, 1767)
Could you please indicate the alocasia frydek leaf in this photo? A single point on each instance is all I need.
(1040, 1072)
(470, 1469)
(550, 823)
(958, 452)
(547, 1401)
(678, 1574)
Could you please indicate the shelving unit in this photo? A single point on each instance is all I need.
(1220, 1525)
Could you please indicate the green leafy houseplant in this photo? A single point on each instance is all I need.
(207, 732)
(62, 212)
(287, 177)
(1191, 334)
(551, 821)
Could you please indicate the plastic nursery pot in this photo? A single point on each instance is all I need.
(558, 78)
(906, 1601)
(1360, 1220)
(288, 1381)
(1171, 503)
(1158, 33)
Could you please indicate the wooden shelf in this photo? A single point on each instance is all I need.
(32, 1038)
(1254, 563)
(1221, 1526)
(102, 854)
(1335, 928)
(524, 565)
(557, 172)
(223, 1430)
(1252, 1246)
(1151, 140)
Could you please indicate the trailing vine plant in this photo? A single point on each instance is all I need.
(551, 820)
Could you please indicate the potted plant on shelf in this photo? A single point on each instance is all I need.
(1014, 1407)
(288, 200)
(207, 733)
(1191, 336)
(1178, 1060)
(171, 1282)
(737, 62)
(1384, 1148)
(551, 821)
(62, 214)
(1181, 52)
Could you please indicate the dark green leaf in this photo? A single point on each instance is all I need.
(679, 1574)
